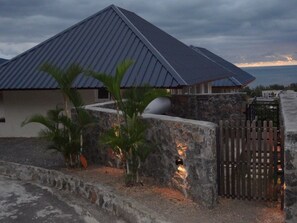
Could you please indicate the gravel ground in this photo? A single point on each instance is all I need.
(30, 151)
(175, 208)
(167, 202)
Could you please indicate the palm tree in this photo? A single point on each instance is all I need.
(57, 131)
(128, 137)
(113, 82)
(65, 133)
(65, 79)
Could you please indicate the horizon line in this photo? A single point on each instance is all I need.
(268, 63)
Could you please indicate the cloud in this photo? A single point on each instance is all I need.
(240, 31)
(9, 50)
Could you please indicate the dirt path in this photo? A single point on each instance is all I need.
(176, 208)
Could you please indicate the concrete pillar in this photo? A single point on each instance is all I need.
(289, 115)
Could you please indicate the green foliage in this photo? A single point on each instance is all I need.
(64, 133)
(58, 128)
(257, 91)
(128, 137)
(113, 82)
(65, 79)
(138, 98)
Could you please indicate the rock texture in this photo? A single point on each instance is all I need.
(102, 196)
(170, 138)
(289, 116)
(209, 107)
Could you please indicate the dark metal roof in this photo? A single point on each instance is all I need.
(2, 60)
(103, 40)
(227, 82)
(239, 78)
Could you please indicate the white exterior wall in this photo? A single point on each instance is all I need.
(18, 105)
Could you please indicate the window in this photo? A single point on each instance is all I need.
(2, 118)
(103, 93)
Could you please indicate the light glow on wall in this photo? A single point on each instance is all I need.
(181, 174)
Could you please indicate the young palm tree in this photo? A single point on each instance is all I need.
(113, 82)
(57, 131)
(65, 134)
(65, 79)
(128, 137)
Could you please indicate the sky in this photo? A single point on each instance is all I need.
(244, 32)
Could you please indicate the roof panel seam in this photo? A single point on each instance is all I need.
(148, 44)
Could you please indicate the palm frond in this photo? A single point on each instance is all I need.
(40, 119)
(53, 71)
(138, 98)
(113, 82)
(72, 73)
(84, 118)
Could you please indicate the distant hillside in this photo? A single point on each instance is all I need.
(2, 60)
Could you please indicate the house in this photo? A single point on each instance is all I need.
(239, 80)
(272, 94)
(99, 43)
(2, 60)
(2, 119)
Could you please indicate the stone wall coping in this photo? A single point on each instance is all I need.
(100, 104)
(98, 107)
(214, 94)
(101, 109)
(126, 208)
(182, 120)
(289, 111)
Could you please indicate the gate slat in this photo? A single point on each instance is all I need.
(238, 165)
(270, 174)
(227, 163)
(254, 145)
(243, 159)
(248, 169)
(222, 146)
(259, 160)
(265, 145)
(232, 158)
(275, 159)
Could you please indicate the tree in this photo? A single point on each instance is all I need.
(257, 91)
(58, 129)
(127, 139)
(64, 133)
(65, 79)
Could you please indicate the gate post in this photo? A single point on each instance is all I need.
(218, 139)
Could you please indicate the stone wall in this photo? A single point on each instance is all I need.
(209, 107)
(102, 196)
(170, 138)
(289, 117)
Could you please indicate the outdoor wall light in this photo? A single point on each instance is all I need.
(179, 161)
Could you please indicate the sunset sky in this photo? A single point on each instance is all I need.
(245, 32)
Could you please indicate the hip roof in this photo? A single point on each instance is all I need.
(100, 43)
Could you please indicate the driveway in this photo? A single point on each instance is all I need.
(24, 202)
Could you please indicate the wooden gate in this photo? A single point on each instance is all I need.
(250, 160)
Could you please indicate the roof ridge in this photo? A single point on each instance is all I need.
(3, 63)
(235, 81)
(231, 78)
(201, 53)
(56, 36)
(147, 43)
